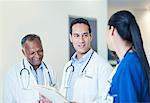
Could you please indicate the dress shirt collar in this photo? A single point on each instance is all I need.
(29, 66)
(83, 58)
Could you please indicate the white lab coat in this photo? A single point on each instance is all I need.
(13, 92)
(89, 88)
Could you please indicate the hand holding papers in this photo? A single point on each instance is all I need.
(51, 93)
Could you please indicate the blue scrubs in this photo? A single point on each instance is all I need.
(130, 83)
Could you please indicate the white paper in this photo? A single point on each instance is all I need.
(51, 93)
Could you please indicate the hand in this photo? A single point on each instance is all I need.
(44, 100)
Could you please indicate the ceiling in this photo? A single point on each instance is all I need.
(135, 4)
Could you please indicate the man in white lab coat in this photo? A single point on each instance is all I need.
(31, 71)
(86, 74)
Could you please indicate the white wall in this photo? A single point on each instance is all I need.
(49, 19)
(143, 19)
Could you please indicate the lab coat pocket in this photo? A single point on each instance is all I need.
(89, 76)
(29, 96)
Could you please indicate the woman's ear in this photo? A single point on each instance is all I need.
(112, 30)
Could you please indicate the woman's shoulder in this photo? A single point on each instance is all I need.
(132, 59)
(131, 63)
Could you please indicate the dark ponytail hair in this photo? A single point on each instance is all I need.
(127, 27)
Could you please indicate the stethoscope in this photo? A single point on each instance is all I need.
(70, 70)
(28, 73)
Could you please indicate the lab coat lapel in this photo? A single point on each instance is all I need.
(28, 95)
(84, 68)
(67, 75)
(86, 72)
(32, 78)
(45, 74)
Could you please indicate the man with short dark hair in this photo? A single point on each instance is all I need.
(86, 73)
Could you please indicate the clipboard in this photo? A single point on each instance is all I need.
(51, 93)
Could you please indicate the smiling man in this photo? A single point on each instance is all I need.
(29, 72)
(86, 73)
